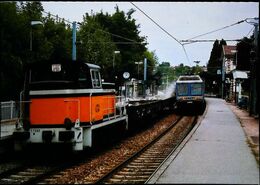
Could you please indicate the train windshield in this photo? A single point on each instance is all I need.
(54, 72)
(182, 89)
(188, 78)
(59, 76)
(196, 89)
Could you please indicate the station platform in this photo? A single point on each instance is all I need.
(215, 152)
(6, 129)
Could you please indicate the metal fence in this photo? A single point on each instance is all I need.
(8, 117)
(9, 110)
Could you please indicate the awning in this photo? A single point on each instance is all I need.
(239, 74)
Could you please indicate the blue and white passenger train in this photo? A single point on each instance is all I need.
(190, 92)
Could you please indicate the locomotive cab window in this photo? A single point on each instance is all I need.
(95, 78)
(83, 79)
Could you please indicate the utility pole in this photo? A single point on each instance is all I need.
(0, 118)
(254, 63)
(223, 78)
(74, 30)
(144, 84)
(138, 68)
(255, 107)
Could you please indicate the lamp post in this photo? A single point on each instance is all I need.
(31, 34)
(114, 56)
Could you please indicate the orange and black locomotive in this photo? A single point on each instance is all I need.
(63, 102)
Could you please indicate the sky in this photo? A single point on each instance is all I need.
(182, 20)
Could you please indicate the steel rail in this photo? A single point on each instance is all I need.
(141, 151)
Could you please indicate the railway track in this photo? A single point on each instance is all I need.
(33, 171)
(136, 169)
(22, 175)
(140, 166)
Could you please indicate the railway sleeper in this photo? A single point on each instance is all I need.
(131, 176)
(135, 172)
(17, 176)
(146, 160)
(34, 170)
(136, 181)
(148, 163)
(150, 156)
(7, 180)
(141, 166)
(26, 173)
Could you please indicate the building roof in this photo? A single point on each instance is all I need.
(189, 79)
(229, 50)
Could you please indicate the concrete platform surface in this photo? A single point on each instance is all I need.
(6, 129)
(250, 125)
(216, 153)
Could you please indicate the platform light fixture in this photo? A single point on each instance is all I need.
(33, 23)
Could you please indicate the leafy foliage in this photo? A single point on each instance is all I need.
(52, 40)
(212, 79)
(243, 54)
(214, 62)
(98, 37)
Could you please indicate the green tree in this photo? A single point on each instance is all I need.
(51, 41)
(165, 72)
(10, 48)
(215, 62)
(152, 61)
(213, 80)
(196, 70)
(182, 70)
(125, 35)
(98, 37)
(244, 47)
(56, 40)
(102, 34)
(243, 54)
(96, 46)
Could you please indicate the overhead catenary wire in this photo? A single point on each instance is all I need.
(250, 31)
(190, 41)
(163, 30)
(239, 22)
(119, 36)
(115, 35)
(206, 40)
(118, 42)
(56, 16)
(156, 23)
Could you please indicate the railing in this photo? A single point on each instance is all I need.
(115, 105)
(9, 115)
(9, 110)
(108, 108)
